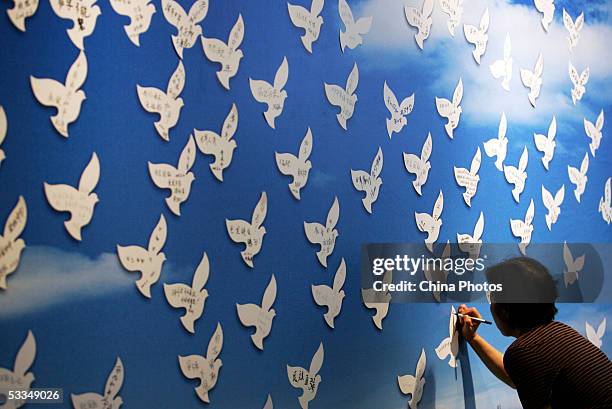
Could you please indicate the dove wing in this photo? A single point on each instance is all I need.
(491, 147)
(574, 174)
(16, 221)
(209, 44)
(174, 293)
(317, 361)
(25, 355)
(286, 163)
(600, 120)
(189, 370)
(438, 206)
(567, 256)
(584, 166)
(475, 166)
(3, 124)
(294, 12)
(269, 295)
(215, 344)
(444, 107)
(461, 173)
(530, 213)
(90, 176)
(282, 74)
(517, 227)
(568, 22)
(56, 196)
(602, 328)
(316, 7)
(237, 225)
(527, 77)
(340, 276)
(121, 7)
(306, 146)
(607, 191)
(357, 176)
(346, 15)
(484, 21)
(157, 170)
(547, 198)
(158, 236)
(377, 164)
(584, 77)
(411, 162)
(407, 105)
(333, 93)
(427, 147)
(591, 334)
(472, 34)
(149, 97)
(198, 11)
(230, 124)
(173, 12)
(309, 229)
(539, 67)
(421, 364)
(573, 74)
(390, 99)
(128, 253)
(352, 80)
(479, 228)
(552, 129)
(260, 90)
(363, 25)
(47, 91)
(248, 314)
(333, 214)
(207, 141)
(413, 16)
(290, 371)
(188, 156)
(458, 94)
(236, 34)
(259, 213)
(200, 277)
(114, 380)
(322, 294)
(406, 384)
(177, 81)
(541, 141)
(559, 196)
(77, 73)
(523, 160)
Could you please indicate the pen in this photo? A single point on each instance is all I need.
(475, 319)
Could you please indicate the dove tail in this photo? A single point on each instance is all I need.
(3, 282)
(449, 130)
(223, 79)
(75, 37)
(417, 187)
(577, 195)
(162, 130)
(419, 40)
(342, 40)
(549, 221)
(322, 258)
(307, 43)
(144, 286)
(188, 323)
(218, 173)
(73, 229)
(257, 340)
(592, 146)
(389, 130)
(134, 38)
(174, 207)
(476, 56)
(367, 204)
(202, 394)
(14, 16)
(341, 120)
(467, 198)
(269, 119)
(303, 402)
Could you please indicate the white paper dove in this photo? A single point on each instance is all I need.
(19, 377)
(523, 229)
(10, 244)
(140, 13)
(434, 274)
(228, 55)
(78, 202)
(166, 104)
(187, 25)
(431, 223)
(573, 27)
(220, 146)
(572, 265)
(344, 98)
(547, 8)
(533, 80)
(250, 234)
(191, 298)
(498, 147)
(369, 182)
(3, 128)
(297, 167)
(398, 111)
(352, 36)
(517, 176)
(148, 262)
(21, 10)
(471, 243)
(272, 95)
(260, 317)
(378, 300)
(269, 404)
(66, 98)
(309, 20)
(325, 236)
(451, 110)
(110, 399)
(176, 179)
(604, 204)
(83, 13)
(307, 381)
(419, 165)
(478, 36)
(552, 204)
(454, 10)
(579, 176)
(449, 347)
(594, 131)
(206, 369)
(596, 336)
(421, 20)
(578, 81)
(546, 143)
(503, 68)
(413, 385)
(331, 297)
(469, 178)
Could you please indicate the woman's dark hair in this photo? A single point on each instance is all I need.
(528, 292)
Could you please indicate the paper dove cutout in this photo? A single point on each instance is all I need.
(578, 82)
(431, 224)
(471, 244)
(110, 399)
(369, 183)
(187, 25)
(604, 204)
(469, 178)
(272, 95)
(533, 80)
(503, 68)
(21, 10)
(228, 55)
(553, 205)
(398, 111)
(297, 167)
(413, 385)
(252, 315)
(572, 265)
(19, 377)
(206, 369)
(3, 127)
(269, 404)
(593, 336)
(352, 37)
(309, 380)
(191, 298)
(176, 179)
(498, 147)
(147, 261)
(325, 236)
(573, 28)
(331, 297)
(546, 144)
(523, 228)
(166, 104)
(547, 8)
(66, 98)
(140, 13)
(478, 36)
(517, 175)
(381, 305)
(78, 202)
(450, 346)
(250, 234)
(593, 131)
(451, 110)
(419, 166)
(579, 176)
(83, 13)
(10, 243)
(310, 21)
(435, 274)
(344, 98)
(454, 9)
(421, 20)
(220, 146)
